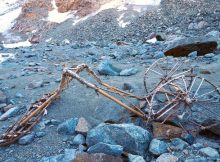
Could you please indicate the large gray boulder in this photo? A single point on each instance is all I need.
(68, 126)
(115, 150)
(183, 47)
(133, 139)
(158, 147)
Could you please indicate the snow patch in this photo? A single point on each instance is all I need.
(7, 6)
(8, 19)
(57, 17)
(153, 40)
(121, 22)
(18, 44)
(121, 5)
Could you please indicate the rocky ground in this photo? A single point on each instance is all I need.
(84, 126)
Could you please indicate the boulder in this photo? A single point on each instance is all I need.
(202, 24)
(165, 131)
(128, 72)
(8, 107)
(26, 139)
(193, 54)
(35, 84)
(68, 127)
(178, 144)
(214, 33)
(158, 54)
(115, 150)
(158, 147)
(82, 126)
(135, 158)
(167, 157)
(11, 112)
(133, 139)
(98, 157)
(183, 47)
(210, 152)
(34, 39)
(188, 138)
(79, 139)
(106, 68)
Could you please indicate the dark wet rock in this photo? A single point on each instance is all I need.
(98, 157)
(82, 126)
(184, 46)
(205, 72)
(11, 112)
(128, 87)
(167, 157)
(3, 97)
(106, 68)
(68, 156)
(26, 139)
(79, 139)
(135, 158)
(158, 147)
(133, 139)
(115, 150)
(67, 127)
(197, 159)
(178, 144)
(128, 72)
(210, 152)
